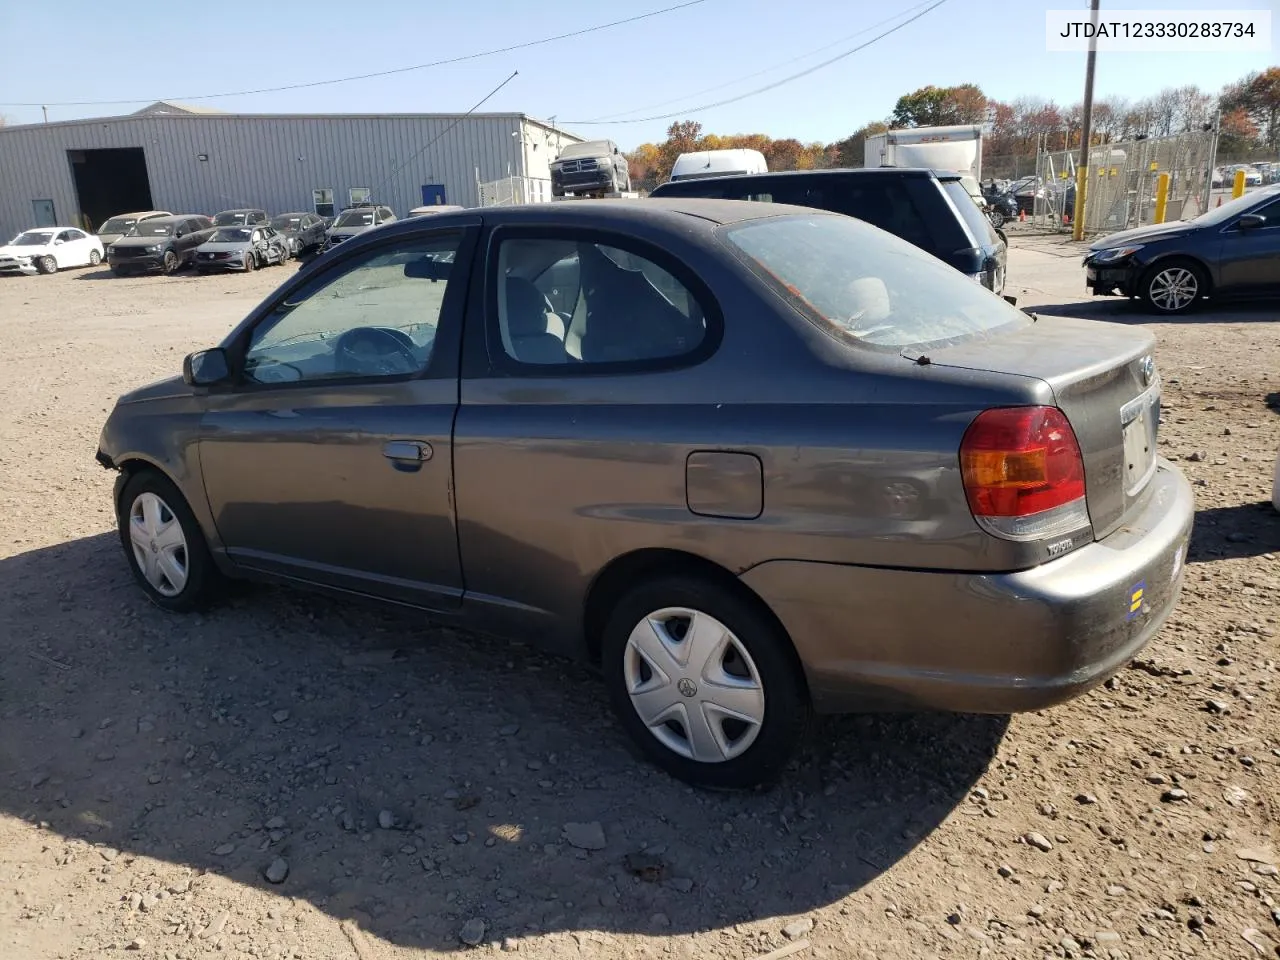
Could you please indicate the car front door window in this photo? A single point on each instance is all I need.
(374, 316)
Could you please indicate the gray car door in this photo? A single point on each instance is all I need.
(576, 417)
(330, 459)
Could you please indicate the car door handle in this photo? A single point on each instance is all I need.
(414, 451)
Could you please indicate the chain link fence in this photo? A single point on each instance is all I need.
(1121, 190)
(511, 191)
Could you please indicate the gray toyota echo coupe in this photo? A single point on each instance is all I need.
(752, 460)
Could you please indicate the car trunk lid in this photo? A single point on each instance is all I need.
(1103, 378)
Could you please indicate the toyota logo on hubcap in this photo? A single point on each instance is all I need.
(687, 687)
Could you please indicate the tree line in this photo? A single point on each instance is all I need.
(1247, 110)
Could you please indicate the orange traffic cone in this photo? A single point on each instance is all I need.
(1022, 216)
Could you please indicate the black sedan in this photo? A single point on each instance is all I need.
(1230, 252)
(304, 231)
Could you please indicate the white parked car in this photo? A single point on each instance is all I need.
(50, 249)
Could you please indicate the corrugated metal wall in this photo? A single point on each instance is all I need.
(273, 161)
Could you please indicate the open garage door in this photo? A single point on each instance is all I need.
(109, 182)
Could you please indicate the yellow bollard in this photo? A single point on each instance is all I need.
(1077, 215)
(1162, 196)
(1237, 189)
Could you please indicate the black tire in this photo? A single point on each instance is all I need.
(996, 217)
(787, 710)
(47, 264)
(170, 263)
(1154, 289)
(204, 583)
(250, 263)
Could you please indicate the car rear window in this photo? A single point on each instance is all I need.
(863, 284)
(970, 212)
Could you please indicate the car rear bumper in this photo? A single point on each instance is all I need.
(880, 639)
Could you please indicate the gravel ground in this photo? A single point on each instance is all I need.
(296, 777)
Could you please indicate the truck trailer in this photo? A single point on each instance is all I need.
(956, 149)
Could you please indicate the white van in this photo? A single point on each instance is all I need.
(718, 163)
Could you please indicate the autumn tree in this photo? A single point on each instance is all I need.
(851, 151)
(1258, 95)
(940, 106)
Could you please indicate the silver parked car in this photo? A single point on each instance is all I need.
(242, 248)
(752, 460)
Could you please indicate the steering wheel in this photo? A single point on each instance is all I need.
(375, 350)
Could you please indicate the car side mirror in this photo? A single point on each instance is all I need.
(1251, 221)
(206, 367)
(57, 241)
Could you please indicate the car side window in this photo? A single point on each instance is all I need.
(373, 316)
(73, 235)
(887, 205)
(562, 301)
(64, 236)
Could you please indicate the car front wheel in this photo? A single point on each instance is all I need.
(1173, 287)
(705, 682)
(47, 264)
(165, 548)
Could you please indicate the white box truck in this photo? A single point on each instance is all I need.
(956, 149)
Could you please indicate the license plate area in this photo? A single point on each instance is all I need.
(1139, 419)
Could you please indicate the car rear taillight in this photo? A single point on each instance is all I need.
(1023, 473)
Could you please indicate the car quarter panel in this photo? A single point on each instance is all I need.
(160, 426)
(557, 476)
(990, 643)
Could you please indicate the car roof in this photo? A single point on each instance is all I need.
(295, 213)
(175, 217)
(240, 210)
(833, 172)
(681, 213)
(151, 214)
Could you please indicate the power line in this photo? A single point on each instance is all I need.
(368, 76)
(457, 120)
(765, 89)
(759, 73)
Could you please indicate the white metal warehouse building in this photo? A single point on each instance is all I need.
(186, 160)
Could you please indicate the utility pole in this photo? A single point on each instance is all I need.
(1086, 129)
(45, 111)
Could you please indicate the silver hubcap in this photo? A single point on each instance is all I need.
(1174, 288)
(159, 546)
(693, 684)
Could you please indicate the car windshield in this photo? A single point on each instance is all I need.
(858, 282)
(33, 238)
(230, 217)
(150, 229)
(232, 235)
(117, 225)
(592, 148)
(1233, 208)
(286, 223)
(354, 218)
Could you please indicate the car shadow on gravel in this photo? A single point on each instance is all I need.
(1119, 310)
(1227, 533)
(422, 778)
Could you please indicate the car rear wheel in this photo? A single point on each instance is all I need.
(170, 264)
(165, 548)
(95, 258)
(705, 682)
(47, 264)
(1174, 286)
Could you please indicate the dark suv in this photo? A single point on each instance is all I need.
(162, 243)
(594, 168)
(933, 210)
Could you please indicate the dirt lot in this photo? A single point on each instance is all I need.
(416, 784)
